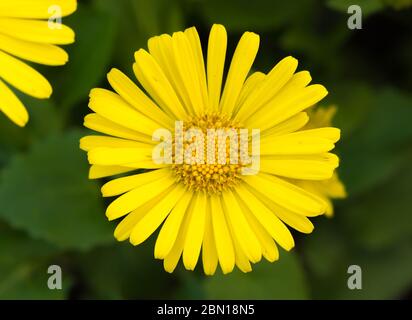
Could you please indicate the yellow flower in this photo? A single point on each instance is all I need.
(220, 209)
(331, 188)
(26, 34)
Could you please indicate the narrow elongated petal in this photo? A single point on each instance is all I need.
(209, 252)
(245, 235)
(118, 156)
(36, 31)
(38, 9)
(98, 123)
(195, 232)
(242, 61)
(111, 106)
(135, 97)
(286, 194)
(42, 53)
(285, 106)
(189, 72)
(224, 244)
(155, 216)
(172, 227)
(267, 218)
(11, 106)
(90, 142)
(97, 171)
(252, 83)
(125, 184)
(306, 167)
(216, 54)
(153, 79)
(23, 77)
(137, 197)
(271, 85)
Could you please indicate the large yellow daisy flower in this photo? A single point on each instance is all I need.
(29, 30)
(231, 215)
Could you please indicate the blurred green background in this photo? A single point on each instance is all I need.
(50, 213)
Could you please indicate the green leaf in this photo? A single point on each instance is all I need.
(46, 193)
(382, 217)
(137, 21)
(329, 252)
(89, 56)
(283, 279)
(44, 120)
(374, 152)
(23, 266)
(122, 271)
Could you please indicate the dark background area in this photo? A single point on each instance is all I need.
(50, 213)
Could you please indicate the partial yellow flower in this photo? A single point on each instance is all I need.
(331, 188)
(26, 33)
(212, 209)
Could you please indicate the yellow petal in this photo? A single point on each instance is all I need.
(156, 215)
(253, 82)
(285, 106)
(307, 167)
(153, 79)
(216, 54)
(195, 232)
(281, 73)
(124, 184)
(98, 123)
(38, 9)
(224, 245)
(42, 53)
(269, 248)
(90, 142)
(244, 234)
(36, 31)
(313, 141)
(161, 48)
(267, 218)
(111, 106)
(288, 126)
(296, 221)
(97, 171)
(241, 260)
(12, 106)
(135, 97)
(125, 227)
(186, 66)
(118, 156)
(172, 227)
(145, 164)
(137, 197)
(23, 77)
(209, 253)
(286, 194)
(242, 61)
(194, 41)
(171, 260)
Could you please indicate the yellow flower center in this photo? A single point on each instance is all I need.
(212, 176)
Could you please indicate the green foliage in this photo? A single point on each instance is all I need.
(284, 279)
(90, 55)
(23, 266)
(50, 213)
(45, 192)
